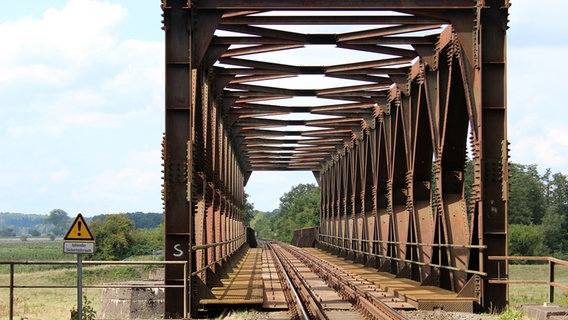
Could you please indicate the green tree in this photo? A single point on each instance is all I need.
(555, 222)
(554, 227)
(145, 241)
(557, 193)
(60, 221)
(526, 240)
(288, 199)
(263, 225)
(114, 237)
(141, 220)
(298, 208)
(7, 232)
(248, 213)
(527, 203)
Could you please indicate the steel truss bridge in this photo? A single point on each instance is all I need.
(384, 101)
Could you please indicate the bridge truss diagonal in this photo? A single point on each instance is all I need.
(387, 103)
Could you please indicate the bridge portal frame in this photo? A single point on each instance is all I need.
(393, 194)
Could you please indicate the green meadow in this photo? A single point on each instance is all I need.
(52, 303)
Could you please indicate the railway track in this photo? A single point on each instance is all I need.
(315, 289)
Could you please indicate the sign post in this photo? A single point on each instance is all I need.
(79, 240)
(79, 286)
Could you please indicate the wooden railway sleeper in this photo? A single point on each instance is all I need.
(304, 289)
(359, 294)
(347, 289)
(285, 282)
(300, 287)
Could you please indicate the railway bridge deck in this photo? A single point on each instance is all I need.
(254, 280)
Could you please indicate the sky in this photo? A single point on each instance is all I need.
(82, 104)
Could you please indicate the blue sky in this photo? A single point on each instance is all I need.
(81, 104)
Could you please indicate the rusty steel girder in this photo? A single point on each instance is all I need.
(381, 100)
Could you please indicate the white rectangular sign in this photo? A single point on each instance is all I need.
(79, 247)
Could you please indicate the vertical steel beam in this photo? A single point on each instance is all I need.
(210, 229)
(217, 222)
(337, 183)
(494, 150)
(178, 125)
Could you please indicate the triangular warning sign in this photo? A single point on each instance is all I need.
(79, 230)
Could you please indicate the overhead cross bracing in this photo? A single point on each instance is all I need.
(348, 63)
(384, 101)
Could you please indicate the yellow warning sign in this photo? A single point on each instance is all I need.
(79, 230)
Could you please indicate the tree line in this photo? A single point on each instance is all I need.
(538, 212)
(58, 221)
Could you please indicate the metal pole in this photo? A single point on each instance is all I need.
(551, 281)
(79, 286)
(185, 291)
(11, 291)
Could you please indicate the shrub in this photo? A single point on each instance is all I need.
(88, 312)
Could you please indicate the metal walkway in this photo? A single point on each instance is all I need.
(244, 283)
(409, 291)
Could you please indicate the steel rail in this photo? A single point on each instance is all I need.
(373, 307)
(297, 301)
(308, 299)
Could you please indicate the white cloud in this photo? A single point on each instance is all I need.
(134, 175)
(141, 63)
(49, 50)
(8, 179)
(18, 130)
(541, 22)
(547, 149)
(77, 71)
(79, 105)
(536, 110)
(59, 176)
(130, 186)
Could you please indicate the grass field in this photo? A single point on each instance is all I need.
(533, 293)
(52, 303)
(57, 303)
(16, 250)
